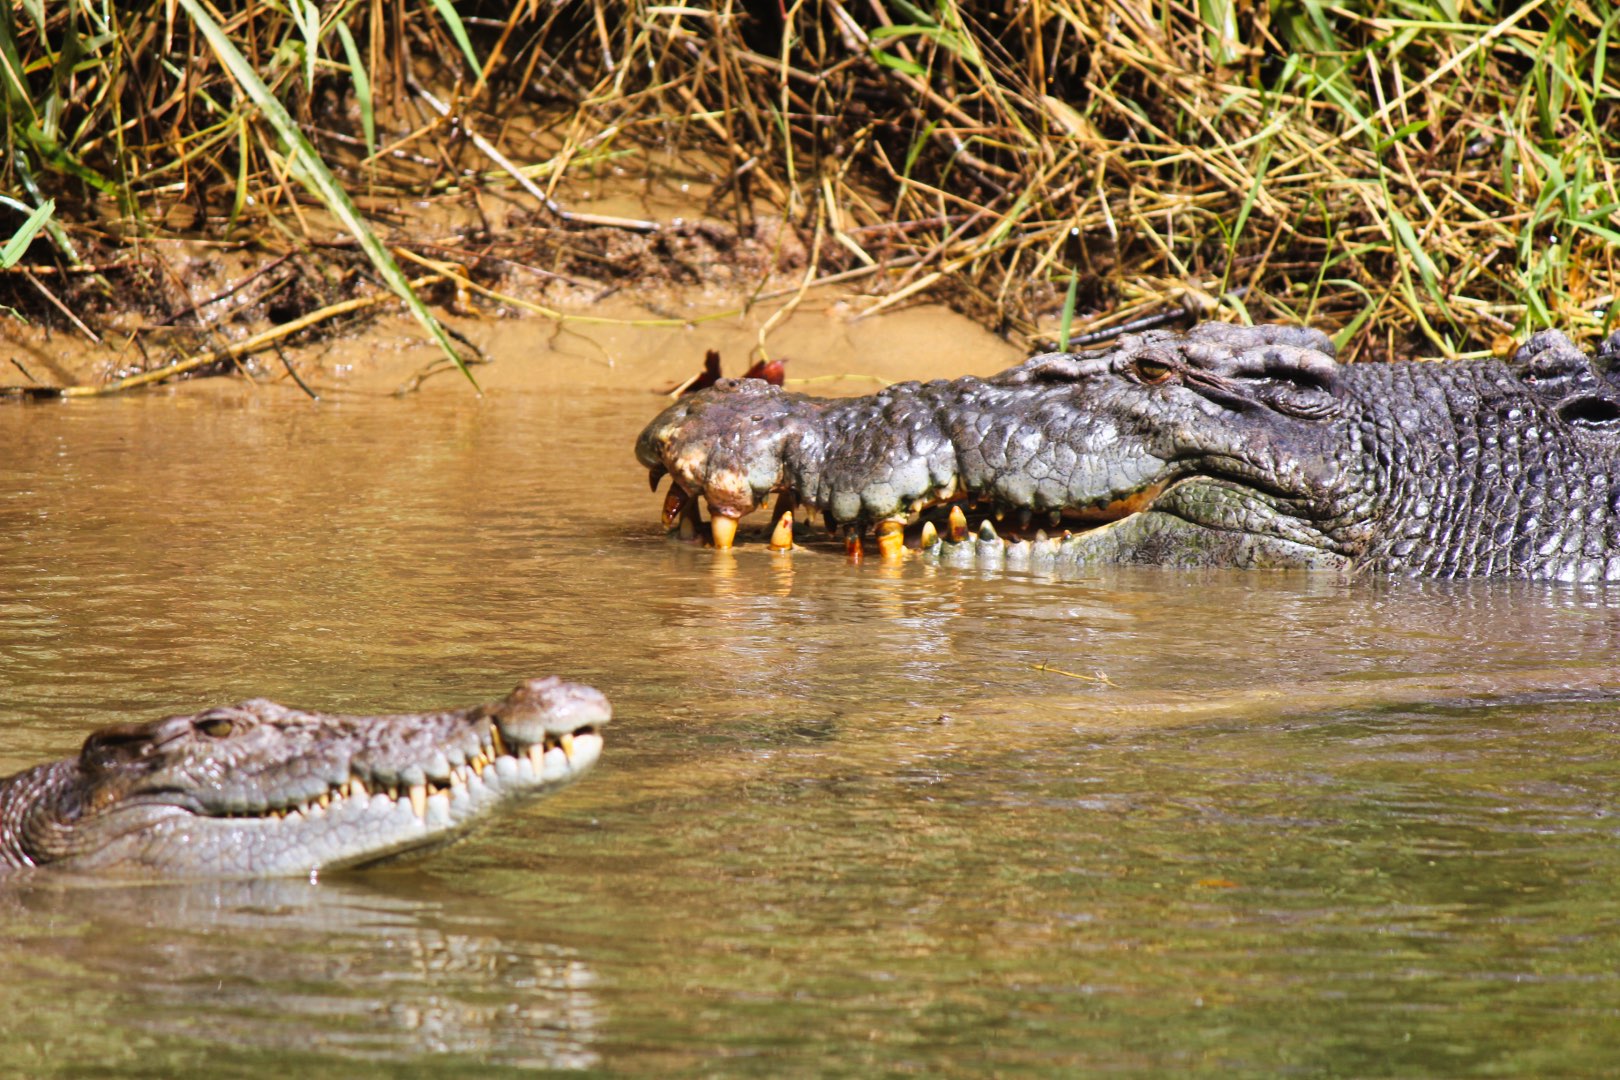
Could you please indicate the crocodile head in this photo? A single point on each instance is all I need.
(1211, 448)
(259, 789)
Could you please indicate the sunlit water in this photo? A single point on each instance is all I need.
(850, 820)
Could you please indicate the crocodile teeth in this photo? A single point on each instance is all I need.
(480, 763)
(724, 529)
(691, 516)
(782, 535)
(930, 535)
(674, 505)
(537, 756)
(358, 787)
(419, 800)
(958, 525)
(495, 737)
(891, 538)
(567, 744)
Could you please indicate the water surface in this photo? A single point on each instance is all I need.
(850, 820)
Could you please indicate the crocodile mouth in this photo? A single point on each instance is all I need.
(502, 765)
(945, 518)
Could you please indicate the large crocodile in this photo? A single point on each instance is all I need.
(1223, 446)
(258, 789)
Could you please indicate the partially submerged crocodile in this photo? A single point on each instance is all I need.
(258, 789)
(1224, 446)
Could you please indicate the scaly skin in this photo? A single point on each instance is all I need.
(1224, 446)
(258, 789)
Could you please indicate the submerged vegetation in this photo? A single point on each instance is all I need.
(1424, 177)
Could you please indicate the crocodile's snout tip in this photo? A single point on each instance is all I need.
(559, 707)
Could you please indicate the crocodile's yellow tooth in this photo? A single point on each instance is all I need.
(358, 787)
(930, 535)
(691, 516)
(479, 763)
(537, 756)
(500, 743)
(419, 800)
(674, 505)
(891, 538)
(782, 535)
(567, 744)
(343, 789)
(724, 529)
(324, 799)
(958, 525)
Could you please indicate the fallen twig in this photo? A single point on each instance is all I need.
(239, 348)
(1100, 677)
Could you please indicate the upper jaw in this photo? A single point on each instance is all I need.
(542, 722)
(736, 474)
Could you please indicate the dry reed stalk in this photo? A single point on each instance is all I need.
(1416, 182)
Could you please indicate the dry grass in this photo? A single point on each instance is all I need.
(1427, 177)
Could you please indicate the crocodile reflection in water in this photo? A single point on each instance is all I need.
(1224, 446)
(368, 968)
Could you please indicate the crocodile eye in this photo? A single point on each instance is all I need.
(216, 727)
(1151, 371)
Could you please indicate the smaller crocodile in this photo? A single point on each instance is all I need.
(1225, 446)
(260, 789)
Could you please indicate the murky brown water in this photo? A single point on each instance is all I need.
(845, 823)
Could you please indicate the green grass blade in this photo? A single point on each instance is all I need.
(310, 170)
(1260, 168)
(1068, 311)
(362, 86)
(459, 32)
(243, 156)
(13, 251)
(308, 18)
(1425, 265)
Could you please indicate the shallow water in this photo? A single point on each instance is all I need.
(850, 820)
